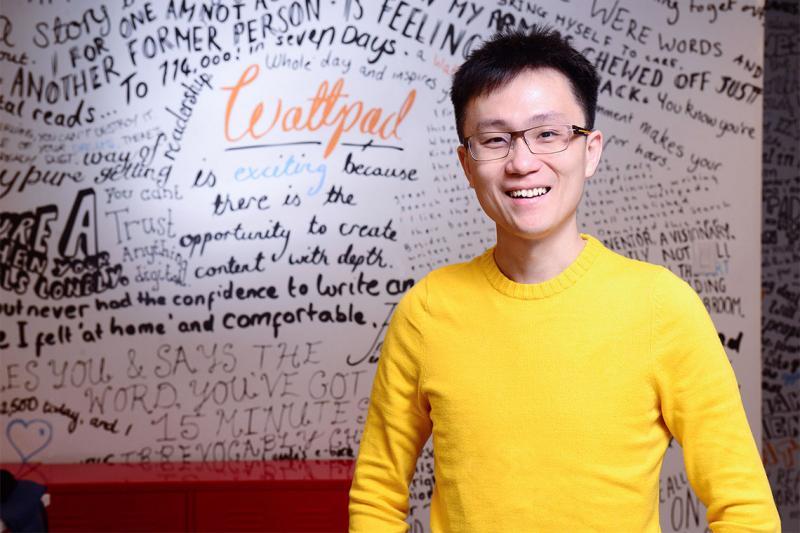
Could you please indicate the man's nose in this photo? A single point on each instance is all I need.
(521, 160)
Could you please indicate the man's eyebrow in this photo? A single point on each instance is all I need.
(539, 118)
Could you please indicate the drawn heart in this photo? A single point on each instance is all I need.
(29, 437)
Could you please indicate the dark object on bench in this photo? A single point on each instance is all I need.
(21, 506)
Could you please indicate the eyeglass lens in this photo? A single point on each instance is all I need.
(540, 140)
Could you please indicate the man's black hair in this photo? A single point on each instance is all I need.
(507, 54)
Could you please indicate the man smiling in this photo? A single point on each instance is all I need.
(551, 371)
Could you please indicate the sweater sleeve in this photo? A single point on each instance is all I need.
(397, 425)
(702, 407)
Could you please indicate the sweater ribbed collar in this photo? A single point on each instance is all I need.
(530, 291)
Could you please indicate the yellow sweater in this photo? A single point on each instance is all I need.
(552, 404)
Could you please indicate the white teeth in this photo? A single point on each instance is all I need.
(528, 193)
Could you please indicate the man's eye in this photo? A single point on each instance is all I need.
(494, 141)
(547, 135)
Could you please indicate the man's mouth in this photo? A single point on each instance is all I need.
(529, 193)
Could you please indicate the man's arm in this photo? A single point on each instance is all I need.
(397, 425)
(702, 407)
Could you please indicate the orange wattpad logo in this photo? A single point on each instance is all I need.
(329, 108)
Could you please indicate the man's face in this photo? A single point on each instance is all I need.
(533, 98)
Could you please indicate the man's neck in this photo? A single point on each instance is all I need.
(535, 261)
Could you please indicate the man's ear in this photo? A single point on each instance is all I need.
(594, 150)
(464, 159)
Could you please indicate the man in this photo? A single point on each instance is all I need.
(551, 371)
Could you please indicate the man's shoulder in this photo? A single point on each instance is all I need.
(455, 275)
(449, 282)
(628, 265)
(661, 283)
(446, 285)
(454, 270)
(624, 273)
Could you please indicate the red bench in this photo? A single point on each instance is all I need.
(232, 496)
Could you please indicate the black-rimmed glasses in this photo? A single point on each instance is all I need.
(489, 145)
